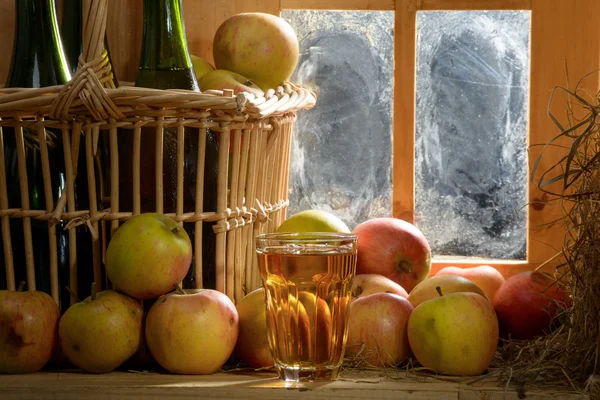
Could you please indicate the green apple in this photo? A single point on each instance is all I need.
(454, 334)
(148, 255)
(101, 332)
(220, 79)
(201, 66)
(192, 331)
(28, 331)
(252, 345)
(313, 221)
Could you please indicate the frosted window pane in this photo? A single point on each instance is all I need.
(341, 157)
(471, 132)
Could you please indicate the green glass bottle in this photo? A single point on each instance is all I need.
(37, 61)
(165, 64)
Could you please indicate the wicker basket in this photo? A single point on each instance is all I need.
(251, 198)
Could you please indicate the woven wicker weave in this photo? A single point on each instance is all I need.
(252, 199)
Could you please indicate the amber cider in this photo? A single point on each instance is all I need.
(307, 294)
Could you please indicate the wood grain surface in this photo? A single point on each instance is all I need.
(253, 385)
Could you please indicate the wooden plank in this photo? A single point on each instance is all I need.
(431, 5)
(124, 28)
(403, 152)
(391, 384)
(7, 31)
(554, 42)
(338, 4)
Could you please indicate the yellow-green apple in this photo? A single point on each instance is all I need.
(393, 248)
(192, 331)
(427, 289)
(28, 330)
(366, 284)
(261, 46)
(101, 332)
(321, 325)
(486, 277)
(201, 66)
(288, 328)
(313, 221)
(148, 255)
(527, 303)
(377, 329)
(454, 334)
(252, 345)
(220, 79)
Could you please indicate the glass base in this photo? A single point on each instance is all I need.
(307, 374)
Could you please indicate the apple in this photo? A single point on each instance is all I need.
(454, 334)
(320, 326)
(313, 221)
(192, 331)
(366, 284)
(378, 322)
(28, 330)
(252, 345)
(101, 332)
(220, 79)
(486, 277)
(428, 289)
(201, 66)
(148, 255)
(261, 46)
(527, 303)
(393, 248)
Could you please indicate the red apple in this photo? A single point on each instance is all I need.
(366, 284)
(28, 331)
(393, 248)
(252, 345)
(526, 304)
(192, 331)
(262, 47)
(430, 288)
(220, 79)
(378, 326)
(148, 255)
(486, 277)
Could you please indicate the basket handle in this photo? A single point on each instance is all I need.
(95, 15)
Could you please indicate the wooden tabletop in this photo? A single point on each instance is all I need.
(256, 385)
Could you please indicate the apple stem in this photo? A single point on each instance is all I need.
(175, 230)
(21, 286)
(179, 290)
(439, 290)
(93, 291)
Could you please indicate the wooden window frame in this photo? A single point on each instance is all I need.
(558, 29)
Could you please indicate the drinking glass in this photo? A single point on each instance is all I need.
(307, 279)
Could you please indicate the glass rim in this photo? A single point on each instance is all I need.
(312, 236)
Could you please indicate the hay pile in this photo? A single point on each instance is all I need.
(570, 354)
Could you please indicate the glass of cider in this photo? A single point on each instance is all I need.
(307, 279)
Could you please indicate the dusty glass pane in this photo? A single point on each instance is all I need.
(341, 157)
(471, 132)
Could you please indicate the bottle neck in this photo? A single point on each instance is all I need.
(38, 58)
(165, 52)
(71, 32)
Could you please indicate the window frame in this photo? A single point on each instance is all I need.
(559, 28)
